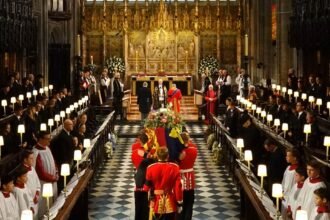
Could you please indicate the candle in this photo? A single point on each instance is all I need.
(78, 45)
(4, 104)
(87, 143)
(92, 60)
(262, 172)
(326, 143)
(27, 215)
(248, 157)
(77, 157)
(277, 123)
(1, 144)
(21, 131)
(240, 145)
(285, 128)
(65, 171)
(246, 45)
(307, 130)
(47, 192)
(43, 127)
(301, 215)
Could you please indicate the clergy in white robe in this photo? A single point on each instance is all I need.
(8, 204)
(291, 197)
(33, 183)
(45, 167)
(305, 200)
(321, 211)
(21, 191)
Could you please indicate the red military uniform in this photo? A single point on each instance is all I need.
(137, 153)
(174, 96)
(187, 166)
(164, 178)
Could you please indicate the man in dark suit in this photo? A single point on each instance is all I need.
(232, 115)
(297, 122)
(118, 95)
(62, 146)
(17, 119)
(144, 100)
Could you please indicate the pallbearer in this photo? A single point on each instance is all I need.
(187, 161)
(164, 183)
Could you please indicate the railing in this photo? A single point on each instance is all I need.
(251, 202)
(76, 204)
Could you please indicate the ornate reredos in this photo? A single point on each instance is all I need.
(161, 34)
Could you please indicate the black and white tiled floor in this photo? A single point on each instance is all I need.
(112, 195)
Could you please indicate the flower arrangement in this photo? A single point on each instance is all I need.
(164, 117)
(208, 63)
(115, 64)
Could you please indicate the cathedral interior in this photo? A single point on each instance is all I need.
(62, 60)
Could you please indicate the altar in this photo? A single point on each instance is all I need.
(183, 82)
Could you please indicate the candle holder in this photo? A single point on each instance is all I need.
(65, 171)
(47, 192)
(21, 131)
(1, 144)
(77, 157)
(277, 192)
(262, 172)
(285, 128)
(326, 143)
(248, 158)
(4, 105)
(240, 145)
(307, 130)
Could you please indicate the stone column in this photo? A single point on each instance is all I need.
(284, 52)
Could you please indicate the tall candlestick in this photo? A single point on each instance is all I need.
(246, 45)
(136, 61)
(92, 61)
(186, 52)
(78, 45)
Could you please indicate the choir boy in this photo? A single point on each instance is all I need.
(321, 211)
(8, 203)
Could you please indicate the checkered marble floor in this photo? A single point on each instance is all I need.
(112, 194)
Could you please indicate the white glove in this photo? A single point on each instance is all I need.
(179, 209)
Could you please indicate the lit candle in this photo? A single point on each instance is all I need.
(319, 103)
(92, 60)
(248, 157)
(87, 143)
(21, 131)
(277, 192)
(65, 171)
(47, 192)
(262, 172)
(77, 157)
(240, 145)
(301, 215)
(1, 144)
(307, 130)
(326, 143)
(277, 123)
(4, 105)
(246, 45)
(27, 215)
(43, 127)
(285, 128)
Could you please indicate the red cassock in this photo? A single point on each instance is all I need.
(211, 94)
(174, 96)
(187, 166)
(164, 178)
